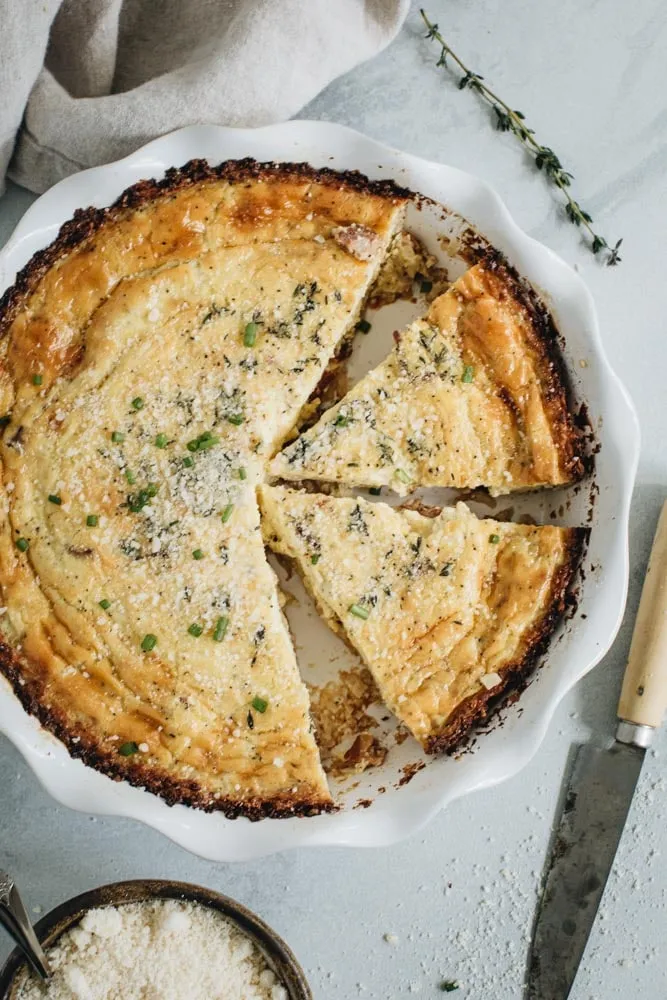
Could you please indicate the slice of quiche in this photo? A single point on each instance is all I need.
(470, 396)
(445, 610)
(151, 358)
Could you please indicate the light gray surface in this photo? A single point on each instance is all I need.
(459, 898)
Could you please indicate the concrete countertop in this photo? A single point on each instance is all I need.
(457, 901)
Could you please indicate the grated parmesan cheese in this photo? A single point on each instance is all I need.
(163, 949)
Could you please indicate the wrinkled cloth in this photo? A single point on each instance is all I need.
(88, 81)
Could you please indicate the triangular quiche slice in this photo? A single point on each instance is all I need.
(444, 610)
(471, 395)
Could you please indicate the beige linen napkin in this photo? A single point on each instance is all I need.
(87, 81)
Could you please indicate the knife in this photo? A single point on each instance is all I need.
(598, 797)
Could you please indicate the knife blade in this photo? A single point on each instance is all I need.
(598, 797)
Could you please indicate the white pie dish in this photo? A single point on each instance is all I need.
(578, 644)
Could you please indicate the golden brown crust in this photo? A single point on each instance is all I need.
(82, 746)
(551, 369)
(475, 709)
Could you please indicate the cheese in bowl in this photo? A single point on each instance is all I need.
(163, 948)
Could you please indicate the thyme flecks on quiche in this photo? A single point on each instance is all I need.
(152, 358)
(471, 395)
(445, 611)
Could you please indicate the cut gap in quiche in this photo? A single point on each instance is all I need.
(471, 395)
(152, 358)
(445, 611)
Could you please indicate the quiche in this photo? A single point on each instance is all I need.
(152, 359)
(470, 396)
(446, 611)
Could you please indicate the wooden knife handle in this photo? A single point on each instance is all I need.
(644, 694)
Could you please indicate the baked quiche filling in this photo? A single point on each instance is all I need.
(154, 360)
(468, 397)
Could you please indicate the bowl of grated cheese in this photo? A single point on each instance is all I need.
(156, 940)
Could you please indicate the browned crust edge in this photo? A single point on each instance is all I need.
(174, 791)
(552, 372)
(514, 675)
(86, 222)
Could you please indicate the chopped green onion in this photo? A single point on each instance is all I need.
(197, 554)
(22, 544)
(92, 520)
(468, 373)
(152, 489)
(341, 421)
(315, 558)
(148, 642)
(204, 441)
(494, 539)
(375, 491)
(259, 704)
(359, 610)
(207, 442)
(127, 749)
(188, 462)
(54, 498)
(130, 476)
(117, 437)
(104, 604)
(449, 986)
(7, 419)
(220, 629)
(235, 418)
(196, 629)
(242, 473)
(250, 335)
(363, 326)
(227, 513)
(425, 285)
(138, 403)
(161, 441)
(403, 476)
(37, 379)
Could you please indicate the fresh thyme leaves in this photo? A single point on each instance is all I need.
(510, 120)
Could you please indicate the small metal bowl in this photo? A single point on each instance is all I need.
(278, 956)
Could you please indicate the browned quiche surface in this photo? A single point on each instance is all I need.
(151, 359)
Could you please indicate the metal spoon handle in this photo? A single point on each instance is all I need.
(16, 921)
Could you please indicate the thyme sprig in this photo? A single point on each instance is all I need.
(510, 120)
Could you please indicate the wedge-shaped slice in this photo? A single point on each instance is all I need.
(445, 610)
(470, 396)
